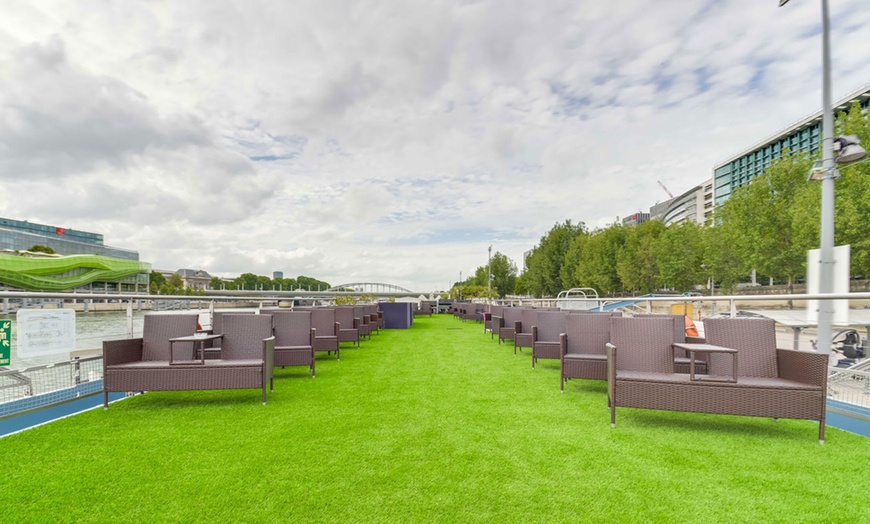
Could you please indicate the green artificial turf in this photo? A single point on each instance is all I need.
(437, 423)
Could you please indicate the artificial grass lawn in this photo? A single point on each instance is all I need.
(435, 423)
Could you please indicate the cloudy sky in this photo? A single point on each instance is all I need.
(387, 140)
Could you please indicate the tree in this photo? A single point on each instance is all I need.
(247, 282)
(504, 274)
(720, 257)
(543, 275)
(597, 257)
(764, 219)
(174, 284)
(679, 255)
(39, 248)
(637, 265)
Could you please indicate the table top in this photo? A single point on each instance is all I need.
(704, 347)
(197, 337)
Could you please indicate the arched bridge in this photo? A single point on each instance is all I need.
(370, 287)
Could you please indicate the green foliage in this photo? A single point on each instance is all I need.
(39, 248)
(345, 300)
(637, 265)
(215, 283)
(765, 220)
(156, 278)
(247, 282)
(596, 259)
(679, 255)
(504, 276)
(543, 275)
(368, 298)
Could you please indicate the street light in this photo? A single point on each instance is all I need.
(710, 281)
(827, 174)
(489, 274)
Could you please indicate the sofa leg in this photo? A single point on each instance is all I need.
(105, 399)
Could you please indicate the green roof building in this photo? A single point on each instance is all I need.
(82, 260)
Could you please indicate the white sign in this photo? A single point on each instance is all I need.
(45, 331)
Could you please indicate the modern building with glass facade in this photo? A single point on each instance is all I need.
(82, 260)
(801, 136)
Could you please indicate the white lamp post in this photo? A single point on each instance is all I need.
(827, 174)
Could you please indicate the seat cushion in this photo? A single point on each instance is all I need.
(585, 356)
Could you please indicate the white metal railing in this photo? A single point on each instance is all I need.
(848, 385)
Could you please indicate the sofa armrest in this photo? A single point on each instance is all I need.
(268, 358)
(563, 345)
(122, 351)
(610, 349)
(534, 334)
(806, 367)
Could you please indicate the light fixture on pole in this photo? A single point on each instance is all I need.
(827, 174)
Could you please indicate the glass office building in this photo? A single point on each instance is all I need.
(802, 136)
(87, 262)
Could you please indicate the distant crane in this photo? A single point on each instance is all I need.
(666, 189)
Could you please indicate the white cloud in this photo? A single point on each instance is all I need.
(389, 142)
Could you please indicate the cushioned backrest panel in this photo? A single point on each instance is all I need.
(643, 343)
(158, 329)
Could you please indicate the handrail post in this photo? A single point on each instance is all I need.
(130, 318)
(733, 308)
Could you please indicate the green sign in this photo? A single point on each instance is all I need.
(5, 341)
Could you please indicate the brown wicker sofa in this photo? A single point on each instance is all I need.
(747, 374)
(148, 363)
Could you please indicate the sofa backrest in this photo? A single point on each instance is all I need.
(292, 328)
(587, 334)
(243, 336)
(755, 342)
(159, 328)
(643, 343)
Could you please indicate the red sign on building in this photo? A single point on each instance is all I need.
(60, 231)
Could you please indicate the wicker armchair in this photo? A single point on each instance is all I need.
(546, 334)
(510, 317)
(323, 320)
(364, 321)
(523, 329)
(294, 339)
(494, 310)
(348, 329)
